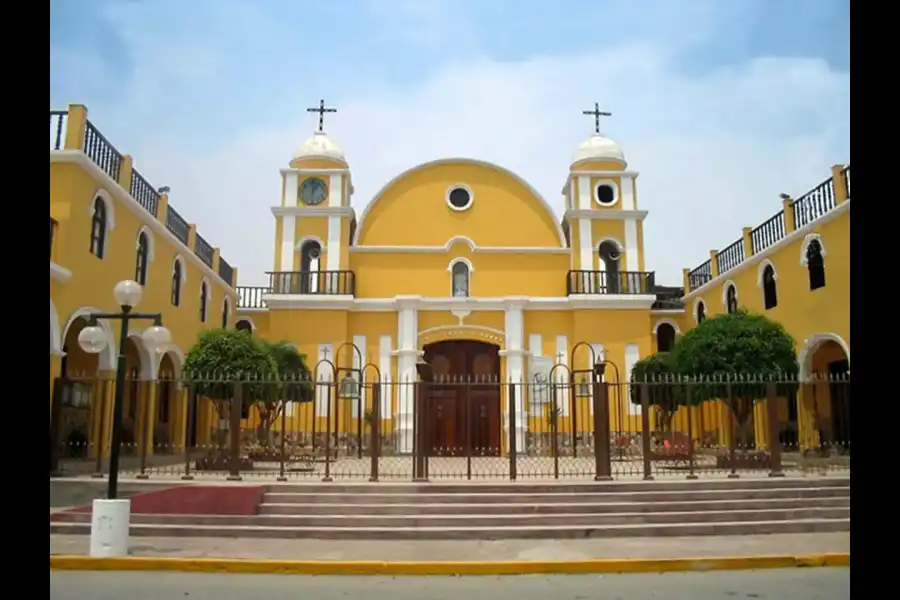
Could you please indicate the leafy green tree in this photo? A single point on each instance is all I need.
(663, 390)
(732, 356)
(294, 385)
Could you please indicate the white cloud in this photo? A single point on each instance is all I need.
(714, 151)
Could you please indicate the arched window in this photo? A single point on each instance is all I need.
(176, 283)
(204, 300)
(731, 304)
(98, 228)
(310, 265)
(665, 337)
(815, 264)
(609, 256)
(143, 253)
(243, 325)
(701, 312)
(226, 313)
(770, 292)
(460, 283)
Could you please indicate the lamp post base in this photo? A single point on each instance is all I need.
(110, 522)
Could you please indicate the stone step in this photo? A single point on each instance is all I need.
(448, 520)
(559, 506)
(477, 533)
(512, 496)
(558, 486)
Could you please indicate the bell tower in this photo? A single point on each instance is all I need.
(315, 220)
(605, 224)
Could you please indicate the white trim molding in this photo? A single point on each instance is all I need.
(804, 247)
(176, 355)
(613, 214)
(596, 196)
(321, 210)
(669, 322)
(461, 259)
(179, 258)
(790, 238)
(83, 160)
(298, 247)
(149, 363)
(696, 310)
(55, 332)
(226, 310)
(472, 247)
(151, 243)
(725, 287)
(107, 358)
(812, 344)
(471, 303)
(613, 240)
(466, 189)
(59, 273)
(328, 171)
(762, 268)
(110, 205)
(244, 318)
(465, 161)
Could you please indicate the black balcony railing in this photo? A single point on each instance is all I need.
(251, 296)
(53, 225)
(701, 275)
(101, 151)
(58, 120)
(226, 271)
(144, 193)
(177, 225)
(313, 282)
(731, 256)
(603, 282)
(768, 233)
(814, 203)
(203, 250)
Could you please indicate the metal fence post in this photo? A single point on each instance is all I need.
(645, 431)
(774, 442)
(602, 466)
(375, 443)
(513, 431)
(234, 461)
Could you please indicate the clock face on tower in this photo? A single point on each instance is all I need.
(313, 191)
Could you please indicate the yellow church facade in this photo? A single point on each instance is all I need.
(461, 263)
(794, 268)
(108, 224)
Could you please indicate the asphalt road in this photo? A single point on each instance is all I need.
(796, 584)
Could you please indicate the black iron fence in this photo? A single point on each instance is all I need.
(606, 282)
(344, 426)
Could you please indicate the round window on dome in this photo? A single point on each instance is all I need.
(459, 197)
(606, 194)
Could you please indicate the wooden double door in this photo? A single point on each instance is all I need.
(463, 399)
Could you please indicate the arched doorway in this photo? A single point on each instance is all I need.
(464, 398)
(134, 410)
(164, 426)
(74, 422)
(826, 363)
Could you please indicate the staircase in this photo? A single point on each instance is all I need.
(516, 510)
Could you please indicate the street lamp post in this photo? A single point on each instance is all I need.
(92, 340)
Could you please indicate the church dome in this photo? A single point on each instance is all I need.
(598, 147)
(319, 146)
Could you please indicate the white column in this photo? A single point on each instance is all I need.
(323, 375)
(385, 366)
(515, 370)
(407, 356)
(335, 242)
(600, 354)
(626, 193)
(585, 235)
(632, 355)
(562, 375)
(359, 361)
(288, 243)
(289, 198)
(535, 347)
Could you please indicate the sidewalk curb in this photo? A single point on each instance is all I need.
(292, 567)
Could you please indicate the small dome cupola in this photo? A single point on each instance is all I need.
(598, 147)
(320, 145)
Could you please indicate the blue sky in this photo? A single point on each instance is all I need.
(721, 105)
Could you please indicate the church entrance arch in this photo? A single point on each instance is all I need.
(463, 400)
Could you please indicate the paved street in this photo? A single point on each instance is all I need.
(796, 584)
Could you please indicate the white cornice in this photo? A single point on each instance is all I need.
(601, 214)
(581, 302)
(605, 173)
(796, 235)
(312, 211)
(61, 274)
(329, 171)
(112, 186)
(445, 249)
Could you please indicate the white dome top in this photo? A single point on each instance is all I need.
(598, 147)
(319, 145)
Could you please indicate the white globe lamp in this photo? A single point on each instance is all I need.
(128, 293)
